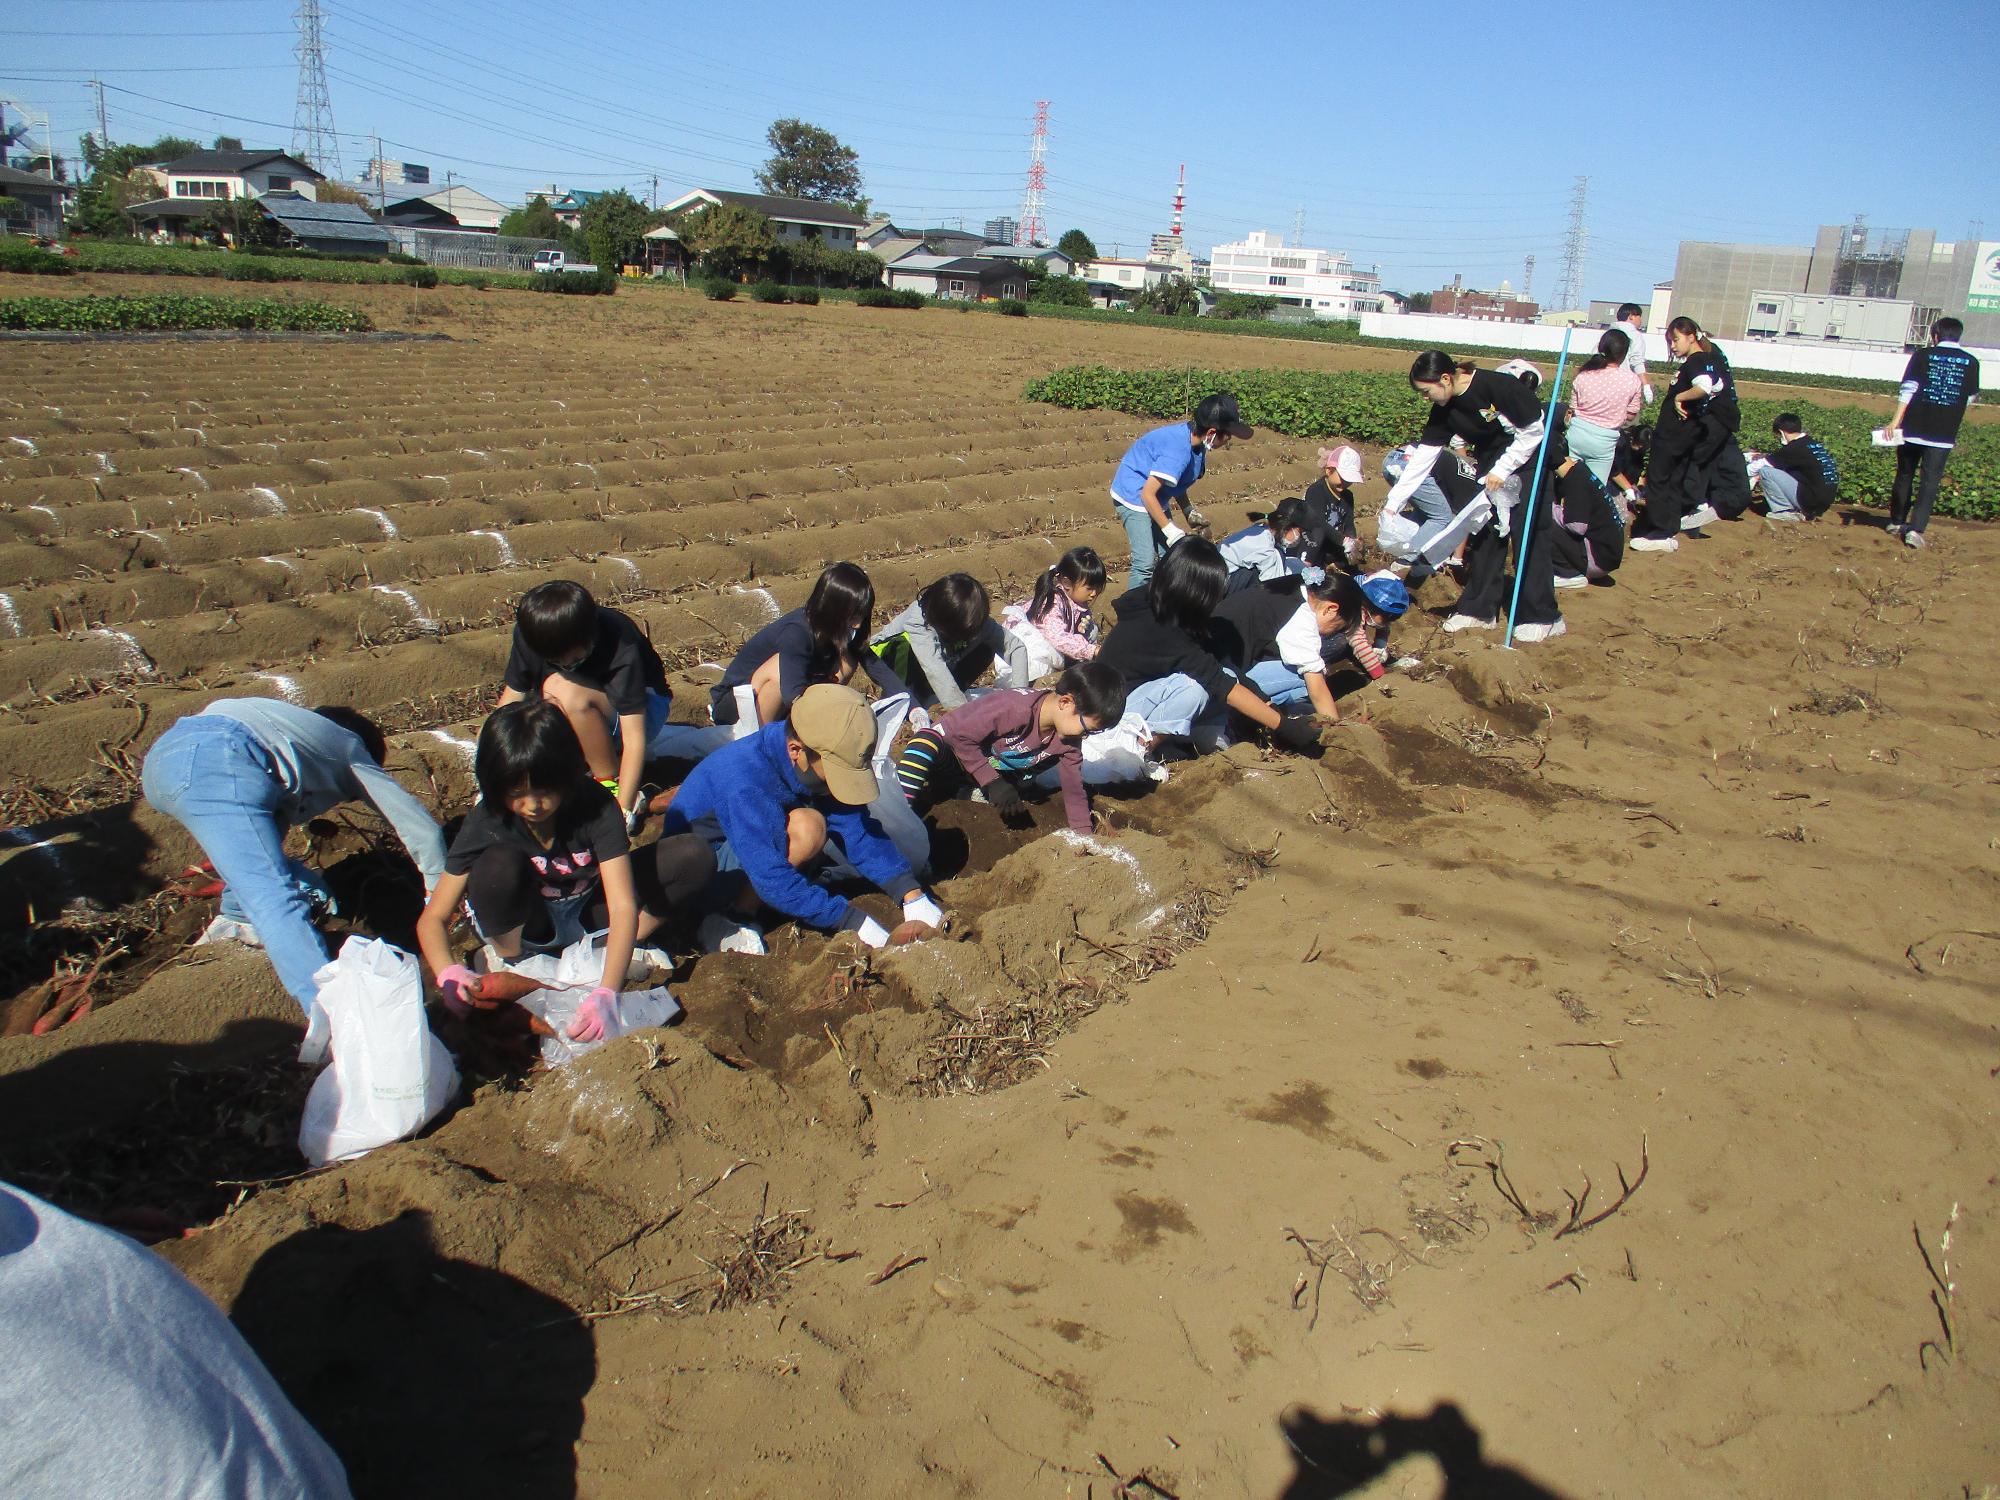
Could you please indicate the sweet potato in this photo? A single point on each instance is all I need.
(502, 988)
(910, 932)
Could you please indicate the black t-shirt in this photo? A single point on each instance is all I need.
(800, 664)
(1704, 362)
(1487, 414)
(1245, 629)
(1145, 648)
(1330, 518)
(589, 829)
(1818, 476)
(1628, 463)
(622, 664)
(1947, 377)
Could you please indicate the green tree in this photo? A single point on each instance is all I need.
(1063, 291)
(246, 226)
(614, 227)
(1418, 302)
(1077, 246)
(535, 220)
(11, 209)
(807, 162)
(1176, 297)
(113, 183)
(1242, 305)
(228, 143)
(731, 241)
(339, 192)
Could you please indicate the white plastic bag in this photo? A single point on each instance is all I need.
(891, 808)
(572, 975)
(1396, 534)
(1043, 658)
(389, 1076)
(1118, 755)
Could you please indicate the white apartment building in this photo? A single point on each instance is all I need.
(1324, 280)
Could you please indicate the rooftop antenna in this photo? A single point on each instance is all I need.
(313, 140)
(1031, 231)
(1569, 290)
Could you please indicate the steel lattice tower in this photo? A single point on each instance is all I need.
(1569, 291)
(313, 140)
(1528, 279)
(1032, 231)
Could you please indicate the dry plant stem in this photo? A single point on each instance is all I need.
(1943, 1293)
(1129, 1485)
(1577, 1223)
(1495, 1163)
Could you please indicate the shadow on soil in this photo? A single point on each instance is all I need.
(1338, 1456)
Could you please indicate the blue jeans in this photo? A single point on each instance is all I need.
(1429, 501)
(1278, 682)
(1178, 706)
(1146, 540)
(1781, 494)
(212, 777)
(1594, 447)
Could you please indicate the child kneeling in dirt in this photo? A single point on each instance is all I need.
(597, 666)
(827, 641)
(243, 770)
(773, 816)
(1008, 734)
(1055, 625)
(543, 860)
(947, 641)
(1274, 636)
(1261, 552)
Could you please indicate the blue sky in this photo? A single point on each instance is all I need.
(1432, 141)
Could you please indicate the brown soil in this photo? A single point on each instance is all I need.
(1185, 1162)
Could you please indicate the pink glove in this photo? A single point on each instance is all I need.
(451, 980)
(599, 1010)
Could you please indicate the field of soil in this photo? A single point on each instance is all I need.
(1564, 1088)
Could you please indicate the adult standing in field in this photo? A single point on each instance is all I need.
(1632, 323)
(1160, 469)
(1937, 385)
(1502, 424)
(1603, 399)
(1696, 434)
(241, 772)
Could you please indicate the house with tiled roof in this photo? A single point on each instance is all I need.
(792, 219)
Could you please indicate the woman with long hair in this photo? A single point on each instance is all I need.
(823, 642)
(1603, 399)
(1694, 450)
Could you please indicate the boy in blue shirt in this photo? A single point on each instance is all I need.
(1161, 468)
(769, 818)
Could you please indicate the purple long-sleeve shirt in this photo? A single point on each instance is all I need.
(1008, 721)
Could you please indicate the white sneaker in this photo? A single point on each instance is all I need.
(1700, 516)
(1913, 539)
(230, 930)
(1572, 581)
(1467, 622)
(1896, 528)
(722, 934)
(1533, 634)
(1655, 544)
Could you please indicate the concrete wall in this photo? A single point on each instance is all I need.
(1534, 340)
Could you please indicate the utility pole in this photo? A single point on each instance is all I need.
(1569, 292)
(1528, 279)
(103, 124)
(656, 192)
(381, 178)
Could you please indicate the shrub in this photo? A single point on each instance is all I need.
(421, 275)
(1062, 291)
(805, 296)
(398, 258)
(719, 289)
(881, 296)
(474, 280)
(248, 270)
(174, 313)
(599, 283)
(767, 291)
(1013, 307)
(31, 260)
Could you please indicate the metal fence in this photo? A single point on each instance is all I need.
(469, 250)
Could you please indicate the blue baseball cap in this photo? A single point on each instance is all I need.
(1385, 592)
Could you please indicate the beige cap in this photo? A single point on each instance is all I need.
(834, 723)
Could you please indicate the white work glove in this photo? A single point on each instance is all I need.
(1172, 533)
(634, 816)
(918, 720)
(865, 927)
(923, 909)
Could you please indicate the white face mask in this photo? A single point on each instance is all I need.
(1208, 442)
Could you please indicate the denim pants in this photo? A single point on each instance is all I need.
(1278, 682)
(1594, 447)
(1178, 706)
(210, 775)
(1429, 501)
(1147, 542)
(1781, 493)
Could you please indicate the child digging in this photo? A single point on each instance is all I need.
(827, 641)
(543, 860)
(946, 641)
(1009, 735)
(1055, 625)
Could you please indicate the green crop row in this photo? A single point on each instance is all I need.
(129, 259)
(1371, 407)
(177, 313)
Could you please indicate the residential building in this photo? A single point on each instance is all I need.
(1052, 261)
(45, 200)
(213, 175)
(568, 207)
(333, 228)
(1002, 231)
(952, 241)
(1128, 275)
(879, 228)
(385, 173)
(1502, 306)
(455, 207)
(1325, 281)
(969, 277)
(891, 249)
(1717, 284)
(792, 219)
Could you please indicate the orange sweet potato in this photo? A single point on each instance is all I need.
(503, 988)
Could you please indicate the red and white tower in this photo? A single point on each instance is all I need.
(1032, 231)
(1180, 200)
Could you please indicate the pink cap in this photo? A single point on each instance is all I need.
(1344, 461)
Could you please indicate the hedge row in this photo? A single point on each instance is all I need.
(176, 313)
(27, 259)
(128, 259)
(1371, 407)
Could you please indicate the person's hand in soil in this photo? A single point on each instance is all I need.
(457, 987)
(1300, 736)
(597, 1014)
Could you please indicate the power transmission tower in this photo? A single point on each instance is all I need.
(313, 140)
(1528, 280)
(1032, 231)
(103, 122)
(1298, 226)
(1569, 291)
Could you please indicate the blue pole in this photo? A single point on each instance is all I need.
(1534, 492)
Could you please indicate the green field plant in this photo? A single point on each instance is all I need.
(1370, 407)
(25, 259)
(177, 313)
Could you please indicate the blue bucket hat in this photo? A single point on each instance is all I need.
(1386, 594)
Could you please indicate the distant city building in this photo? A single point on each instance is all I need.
(1501, 306)
(1172, 250)
(1326, 281)
(1002, 231)
(1718, 285)
(1602, 313)
(1128, 275)
(396, 173)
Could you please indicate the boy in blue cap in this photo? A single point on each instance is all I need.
(1161, 468)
